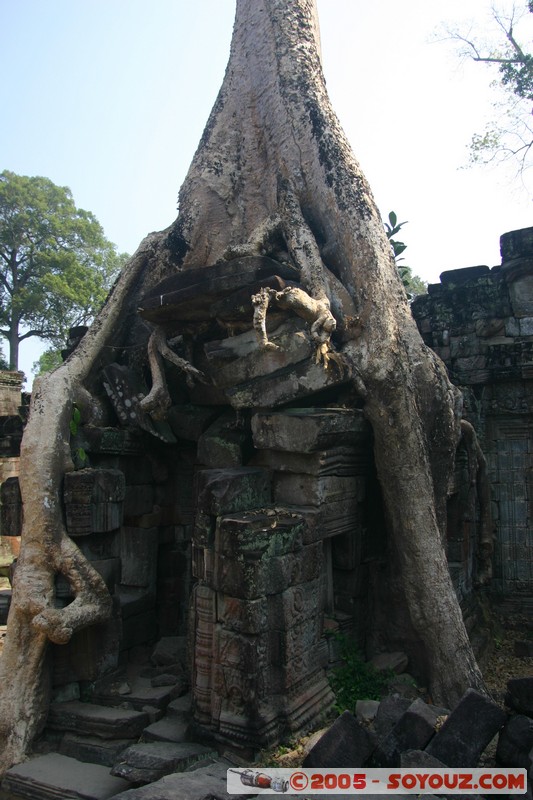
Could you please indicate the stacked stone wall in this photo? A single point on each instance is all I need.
(480, 322)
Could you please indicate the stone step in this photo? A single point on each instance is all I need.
(168, 729)
(138, 692)
(149, 761)
(92, 749)
(181, 707)
(57, 777)
(94, 720)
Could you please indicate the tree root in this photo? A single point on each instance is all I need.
(315, 312)
(158, 400)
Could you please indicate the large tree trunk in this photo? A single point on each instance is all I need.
(273, 172)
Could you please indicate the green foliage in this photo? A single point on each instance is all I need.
(47, 361)
(509, 136)
(79, 456)
(56, 266)
(355, 679)
(412, 283)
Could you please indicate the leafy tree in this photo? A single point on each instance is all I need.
(47, 361)
(510, 136)
(56, 266)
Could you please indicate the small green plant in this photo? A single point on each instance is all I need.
(355, 679)
(79, 455)
(412, 284)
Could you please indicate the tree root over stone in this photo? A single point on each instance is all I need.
(158, 401)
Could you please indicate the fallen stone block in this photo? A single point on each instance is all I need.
(390, 711)
(149, 761)
(413, 731)
(210, 781)
(468, 730)
(520, 695)
(95, 720)
(347, 743)
(515, 742)
(366, 710)
(420, 758)
(57, 776)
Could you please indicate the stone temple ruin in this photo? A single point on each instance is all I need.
(247, 527)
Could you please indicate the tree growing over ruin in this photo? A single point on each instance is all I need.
(273, 174)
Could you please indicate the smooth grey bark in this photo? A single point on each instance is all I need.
(273, 173)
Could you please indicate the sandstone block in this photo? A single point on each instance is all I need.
(346, 744)
(520, 695)
(308, 429)
(149, 761)
(468, 730)
(515, 742)
(413, 731)
(226, 491)
(93, 500)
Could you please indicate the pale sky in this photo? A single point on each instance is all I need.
(110, 97)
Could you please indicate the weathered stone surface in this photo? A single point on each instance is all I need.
(225, 443)
(520, 695)
(126, 389)
(389, 713)
(95, 720)
(308, 429)
(257, 534)
(138, 547)
(242, 616)
(515, 742)
(366, 710)
(251, 579)
(168, 729)
(189, 422)
(57, 776)
(93, 500)
(236, 310)
(226, 491)
(190, 295)
(420, 758)
(239, 359)
(92, 749)
(413, 731)
(11, 508)
(397, 662)
(200, 784)
(346, 744)
(468, 730)
(342, 461)
(138, 501)
(138, 691)
(308, 490)
(170, 650)
(299, 381)
(149, 761)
